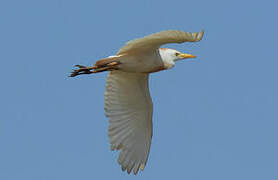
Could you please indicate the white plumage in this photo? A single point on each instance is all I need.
(129, 106)
(154, 41)
(128, 103)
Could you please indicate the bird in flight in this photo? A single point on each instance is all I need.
(128, 103)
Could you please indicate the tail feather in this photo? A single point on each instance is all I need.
(107, 64)
(106, 61)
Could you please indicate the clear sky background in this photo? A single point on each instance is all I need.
(215, 117)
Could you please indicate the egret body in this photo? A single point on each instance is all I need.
(128, 103)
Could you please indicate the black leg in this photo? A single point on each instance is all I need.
(81, 70)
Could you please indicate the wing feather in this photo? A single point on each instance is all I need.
(155, 40)
(129, 106)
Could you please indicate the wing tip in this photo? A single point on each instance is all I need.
(200, 35)
(133, 169)
(142, 166)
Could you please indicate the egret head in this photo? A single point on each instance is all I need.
(174, 55)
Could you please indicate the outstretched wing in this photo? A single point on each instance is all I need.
(155, 40)
(129, 106)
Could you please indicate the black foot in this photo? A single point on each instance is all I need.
(81, 70)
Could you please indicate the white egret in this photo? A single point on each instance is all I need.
(128, 103)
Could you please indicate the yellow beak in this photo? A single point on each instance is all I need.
(186, 56)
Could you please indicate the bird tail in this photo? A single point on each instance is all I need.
(106, 61)
(106, 64)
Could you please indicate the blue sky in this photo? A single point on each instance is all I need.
(215, 117)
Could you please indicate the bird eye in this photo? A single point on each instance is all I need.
(177, 54)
